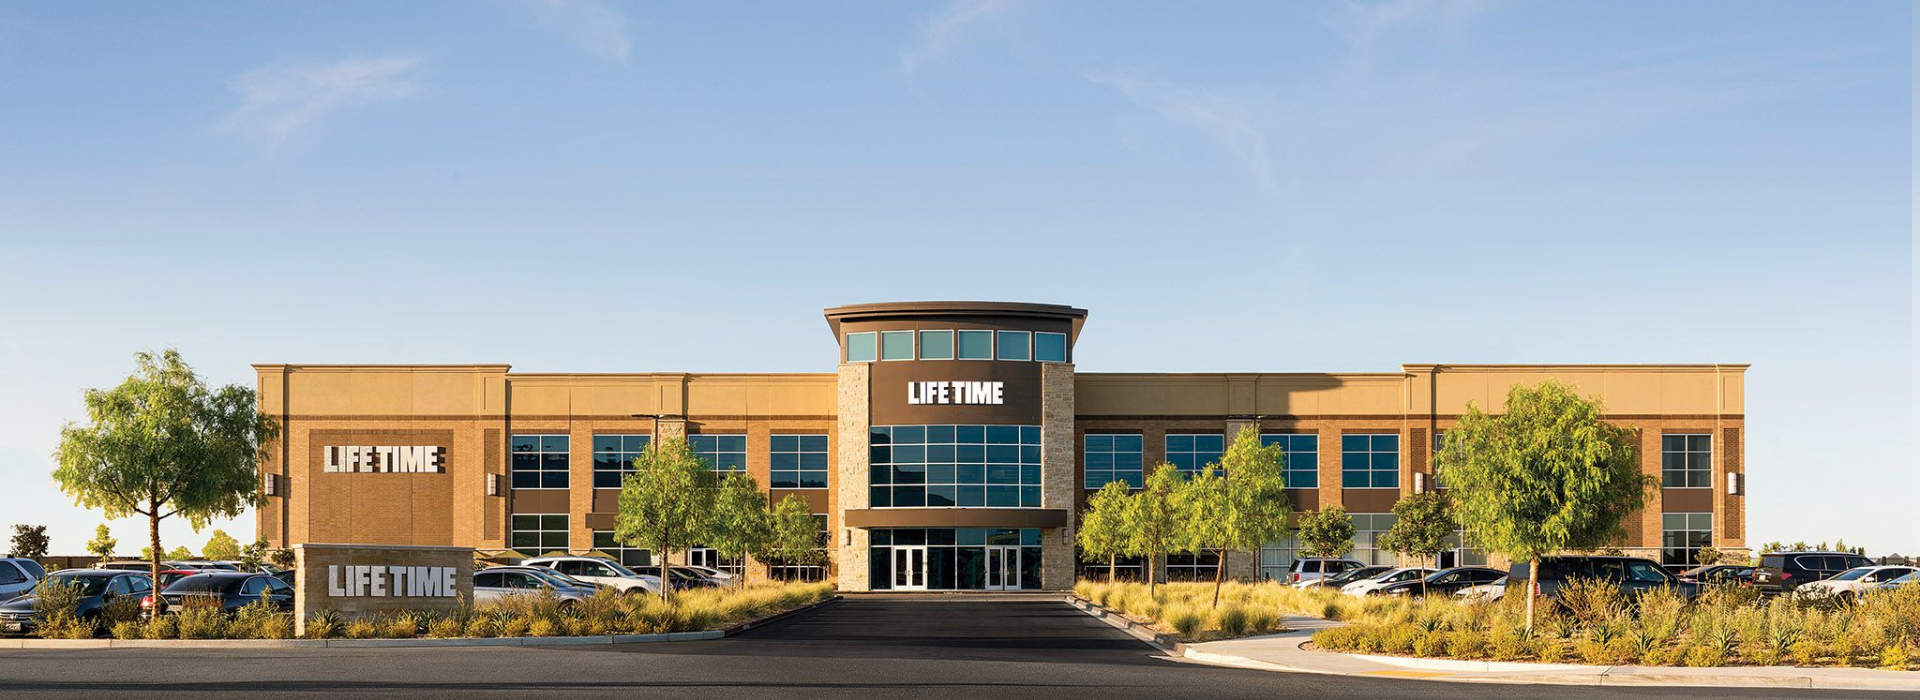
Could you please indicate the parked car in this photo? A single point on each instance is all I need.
(168, 576)
(1634, 576)
(1907, 580)
(1719, 575)
(604, 572)
(1345, 577)
(711, 574)
(286, 576)
(1847, 585)
(144, 565)
(1369, 586)
(492, 584)
(1442, 582)
(692, 577)
(206, 565)
(18, 575)
(1676, 570)
(233, 588)
(1780, 572)
(1490, 591)
(97, 588)
(1304, 572)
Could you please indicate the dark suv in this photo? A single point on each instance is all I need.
(1780, 572)
(1634, 576)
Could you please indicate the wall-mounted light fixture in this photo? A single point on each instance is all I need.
(1419, 482)
(1736, 485)
(493, 484)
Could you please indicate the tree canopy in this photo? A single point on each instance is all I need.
(739, 524)
(797, 538)
(1421, 525)
(102, 543)
(1103, 527)
(1326, 532)
(221, 547)
(665, 504)
(1154, 522)
(29, 541)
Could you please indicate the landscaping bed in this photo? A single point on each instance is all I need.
(1185, 611)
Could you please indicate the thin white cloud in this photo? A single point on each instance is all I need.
(950, 29)
(592, 25)
(281, 99)
(1234, 121)
(1367, 22)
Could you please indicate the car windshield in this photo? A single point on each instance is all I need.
(1913, 577)
(1851, 574)
(89, 585)
(1363, 572)
(617, 568)
(201, 583)
(558, 578)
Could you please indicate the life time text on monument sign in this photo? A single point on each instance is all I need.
(357, 580)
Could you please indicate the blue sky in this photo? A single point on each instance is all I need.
(575, 185)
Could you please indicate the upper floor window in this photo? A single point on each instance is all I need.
(539, 461)
(1686, 460)
(538, 534)
(613, 457)
(1370, 461)
(1016, 345)
(936, 345)
(1108, 458)
(1190, 452)
(1050, 347)
(798, 462)
(1301, 467)
(968, 466)
(724, 453)
(862, 347)
(896, 345)
(974, 345)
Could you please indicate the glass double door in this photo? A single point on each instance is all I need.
(1002, 568)
(909, 568)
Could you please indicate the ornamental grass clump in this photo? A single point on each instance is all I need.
(1186, 621)
(325, 624)
(1232, 620)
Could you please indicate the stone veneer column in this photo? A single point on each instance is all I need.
(851, 473)
(1058, 472)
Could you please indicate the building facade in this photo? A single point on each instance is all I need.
(951, 448)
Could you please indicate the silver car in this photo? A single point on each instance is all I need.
(18, 576)
(492, 584)
(601, 572)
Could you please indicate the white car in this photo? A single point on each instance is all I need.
(1366, 586)
(717, 576)
(1849, 584)
(1492, 591)
(605, 572)
(1305, 573)
(492, 584)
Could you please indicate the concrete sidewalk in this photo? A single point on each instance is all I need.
(1283, 652)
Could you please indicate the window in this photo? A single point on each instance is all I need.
(1433, 458)
(629, 557)
(1106, 458)
(936, 345)
(968, 466)
(958, 558)
(1367, 529)
(725, 453)
(1302, 466)
(10, 574)
(860, 347)
(1276, 557)
(1683, 535)
(1190, 452)
(799, 462)
(613, 457)
(1686, 461)
(1015, 345)
(540, 461)
(1123, 569)
(538, 534)
(896, 345)
(1193, 567)
(1050, 347)
(815, 571)
(1370, 461)
(974, 345)
(711, 558)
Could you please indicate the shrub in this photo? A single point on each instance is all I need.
(1895, 657)
(1706, 656)
(543, 627)
(277, 627)
(1262, 620)
(1430, 644)
(1465, 645)
(400, 626)
(1591, 600)
(1185, 621)
(1331, 610)
(201, 622)
(324, 624)
(1550, 650)
(1232, 620)
(362, 629)
(162, 627)
(1508, 644)
(1335, 638)
(1807, 652)
(515, 626)
(1399, 639)
(121, 609)
(1660, 612)
(129, 629)
(445, 628)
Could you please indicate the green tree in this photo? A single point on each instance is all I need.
(253, 555)
(1254, 498)
(1326, 533)
(1199, 507)
(180, 553)
(1422, 523)
(1153, 523)
(30, 541)
(798, 539)
(664, 504)
(740, 524)
(221, 547)
(1549, 474)
(1103, 527)
(164, 444)
(102, 543)
(1708, 556)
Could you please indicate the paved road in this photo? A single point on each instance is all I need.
(881, 647)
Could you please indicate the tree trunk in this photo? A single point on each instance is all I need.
(1153, 573)
(1533, 589)
(153, 534)
(666, 581)
(1219, 576)
(1423, 579)
(1113, 565)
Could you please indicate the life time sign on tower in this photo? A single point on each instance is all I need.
(962, 393)
(382, 458)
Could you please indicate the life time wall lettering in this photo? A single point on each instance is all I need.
(354, 581)
(383, 458)
(969, 393)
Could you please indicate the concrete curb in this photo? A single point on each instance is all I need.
(83, 644)
(1509, 672)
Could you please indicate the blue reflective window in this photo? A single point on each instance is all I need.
(974, 345)
(1686, 460)
(1370, 461)
(896, 345)
(539, 461)
(861, 347)
(936, 345)
(613, 457)
(724, 453)
(797, 462)
(1302, 459)
(967, 466)
(1190, 452)
(1050, 347)
(1016, 345)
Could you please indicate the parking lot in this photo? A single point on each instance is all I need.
(866, 647)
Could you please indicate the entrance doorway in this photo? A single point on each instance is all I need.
(910, 568)
(1003, 568)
